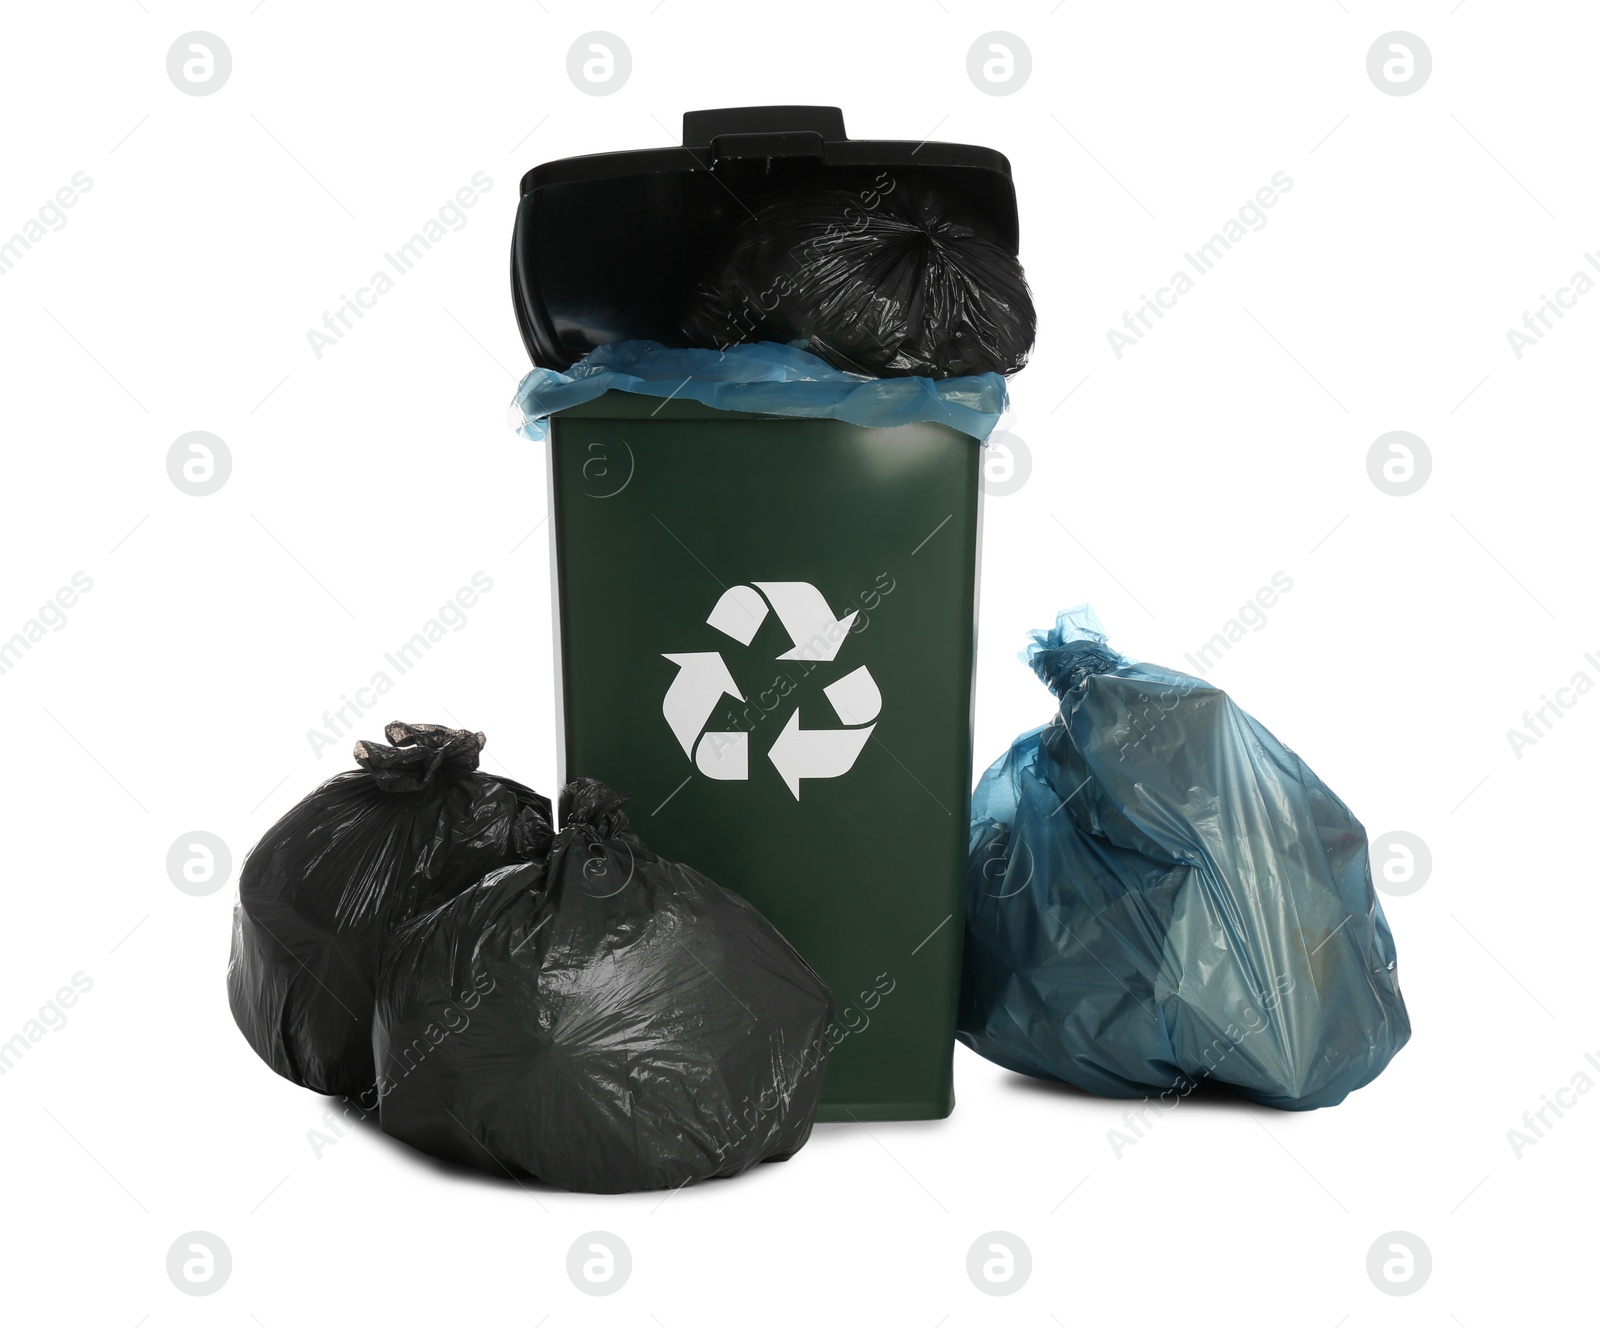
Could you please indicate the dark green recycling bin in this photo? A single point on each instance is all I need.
(766, 623)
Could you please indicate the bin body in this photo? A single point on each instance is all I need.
(679, 531)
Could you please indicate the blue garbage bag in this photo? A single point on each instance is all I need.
(763, 378)
(1162, 894)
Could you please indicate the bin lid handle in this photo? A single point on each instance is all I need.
(734, 133)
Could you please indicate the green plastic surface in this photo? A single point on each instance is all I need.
(661, 507)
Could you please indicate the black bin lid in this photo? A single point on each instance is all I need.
(609, 247)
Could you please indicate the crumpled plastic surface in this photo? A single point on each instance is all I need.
(317, 896)
(763, 378)
(1162, 893)
(905, 283)
(602, 1021)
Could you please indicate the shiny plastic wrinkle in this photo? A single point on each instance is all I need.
(901, 282)
(763, 378)
(369, 848)
(601, 1021)
(1162, 894)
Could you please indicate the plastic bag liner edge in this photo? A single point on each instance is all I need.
(761, 378)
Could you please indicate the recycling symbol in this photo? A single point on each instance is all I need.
(704, 679)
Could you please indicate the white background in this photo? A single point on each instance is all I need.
(369, 484)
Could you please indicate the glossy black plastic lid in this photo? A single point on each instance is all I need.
(608, 247)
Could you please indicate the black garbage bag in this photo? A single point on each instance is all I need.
(414, 826)
(906, 283)
(602, 1021)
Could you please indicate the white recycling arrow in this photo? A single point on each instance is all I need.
(692, 699)
(739, 613)
(816, 633)
(815, 753)
(724, 755)
(855, 698)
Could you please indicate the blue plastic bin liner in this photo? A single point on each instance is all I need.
(764, 378)
(1162, 893)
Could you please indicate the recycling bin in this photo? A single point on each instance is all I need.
(765, 624)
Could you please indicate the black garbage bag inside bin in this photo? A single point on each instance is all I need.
(603, 1021)
(904, 283)
(414, 826)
